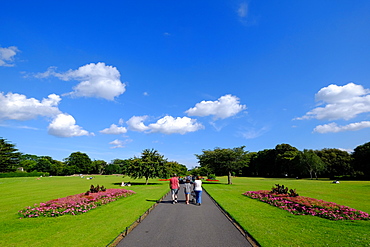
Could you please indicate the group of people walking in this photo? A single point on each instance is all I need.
(189, 187)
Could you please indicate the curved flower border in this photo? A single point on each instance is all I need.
(75, 204)
(301, 205)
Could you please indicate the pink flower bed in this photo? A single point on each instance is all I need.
(212, 180)
(75, 204)
(301, 205)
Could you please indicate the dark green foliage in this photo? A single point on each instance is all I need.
(9, 156)
(224, 161)
(361, 164)
(282, 190)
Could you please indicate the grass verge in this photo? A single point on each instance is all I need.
(97, 227)
(272, 226)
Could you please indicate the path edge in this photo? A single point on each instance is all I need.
(249, 237)
(128, 229)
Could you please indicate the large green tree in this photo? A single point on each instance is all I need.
(78, 163)
(338, 162)
(361, 156)
(9, 156)
(224, 160)
(150, 164)
(311, 162)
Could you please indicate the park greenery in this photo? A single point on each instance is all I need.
(100, 226)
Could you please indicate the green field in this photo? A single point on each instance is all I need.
(97, 227)
(270, 226)
(275, 227)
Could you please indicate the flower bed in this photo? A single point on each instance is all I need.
(75, 204)
(164, 179)
(215, 180)
(301, 205)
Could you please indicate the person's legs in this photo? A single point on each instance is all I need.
(200, 197)
(197, 196)
(187, 197)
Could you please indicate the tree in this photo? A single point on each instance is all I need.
(311, 162)
(79, 163)
(98, 166)
(285, 159)
(150, 164)
(338, 162)
(224, 161)
(361, 162)
(173, 167)
(9, 157)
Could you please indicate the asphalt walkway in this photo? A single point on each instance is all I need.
(185, 225)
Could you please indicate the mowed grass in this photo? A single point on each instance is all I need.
(272, 226)
(97, 227)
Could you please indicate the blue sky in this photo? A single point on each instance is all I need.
(111, 78)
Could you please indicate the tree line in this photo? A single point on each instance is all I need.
(287, 161)
(150, 164)
(282, 161)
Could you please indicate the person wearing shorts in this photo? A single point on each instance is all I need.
(174, 186)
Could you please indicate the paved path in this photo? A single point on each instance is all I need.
(185, 225)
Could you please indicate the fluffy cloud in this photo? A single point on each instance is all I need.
(96, 80)
(114, 130)
(334, 128)
(340, 102)
(19, 107)
(166, 125)
(64, 125)
(136, 123)
(226, 106)
(119, 144)
(170, 125)
(7, 55)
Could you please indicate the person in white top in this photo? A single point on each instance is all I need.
(198, 190)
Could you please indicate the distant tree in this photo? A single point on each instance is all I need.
(201, 171)
(338, 162)
(98, 166)
(311, 162)
(361, 162)
(224, 161)
(78, 163)
(264, 163)
(285, 161)
(9, 156)
(172, 167)
(150, 164)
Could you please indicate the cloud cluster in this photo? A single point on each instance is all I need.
(340, 102)
(18, 107)
(166, 125)
(96, 80)
(7, 56)
(102, 81)
(226, 106)
(64, 125)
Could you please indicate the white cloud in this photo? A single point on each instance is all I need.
(96, 80)
(226, 106)
(136, 123)
(334, 128)
(171, 125)
(114, 130)
(64, 125)
(7, 55)
(243, 10)
(166, 125)
(120, 144)
(340, 102)
(19, 107)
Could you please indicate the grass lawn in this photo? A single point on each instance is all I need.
(97, 227)
(272, 226)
